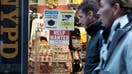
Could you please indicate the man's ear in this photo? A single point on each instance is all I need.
(117, 8)
(90, 14)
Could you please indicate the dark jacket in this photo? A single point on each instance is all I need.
(93, 47)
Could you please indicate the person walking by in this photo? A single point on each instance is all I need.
(89, 19)
(116, 51)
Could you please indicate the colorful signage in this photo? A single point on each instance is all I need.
(59, 20)
(59, 37)
(13, 36)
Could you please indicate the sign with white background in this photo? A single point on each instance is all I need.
(59, 19)
(59, 37)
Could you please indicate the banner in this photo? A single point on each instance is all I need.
(13, 36)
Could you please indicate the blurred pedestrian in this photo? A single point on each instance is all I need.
(89, 19)
(116, 52)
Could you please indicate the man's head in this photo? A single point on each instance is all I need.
(113, 9)
(87, 12)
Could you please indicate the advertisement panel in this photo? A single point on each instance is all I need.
(51, 59)
(51, 19)
(66, 19)
(59, 37)
(13, 36)
(59, 19)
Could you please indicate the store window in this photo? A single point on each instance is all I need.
(55, 38)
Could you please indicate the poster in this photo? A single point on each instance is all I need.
(59, 37)
(60, 55)
(66, 19)
(59, 19)
(51, 19)
(53, 53)
(13, 36)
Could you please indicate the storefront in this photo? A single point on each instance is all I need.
(56, 40)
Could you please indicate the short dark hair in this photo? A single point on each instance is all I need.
(89, 5)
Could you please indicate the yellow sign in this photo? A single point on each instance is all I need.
(11, 32)
(76, 1)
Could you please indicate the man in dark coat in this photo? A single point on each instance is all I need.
(89, 19)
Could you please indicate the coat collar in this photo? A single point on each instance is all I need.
(94, 27)
(119, 34)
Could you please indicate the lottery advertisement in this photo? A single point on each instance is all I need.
(53, 53)
(51, 59)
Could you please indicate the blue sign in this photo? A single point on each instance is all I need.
(13, 36)
(51, 12)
